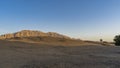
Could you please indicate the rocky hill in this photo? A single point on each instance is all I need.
(31, 33)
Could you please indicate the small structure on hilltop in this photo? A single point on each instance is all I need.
(101, 40)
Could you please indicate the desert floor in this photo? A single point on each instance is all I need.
(26, 55)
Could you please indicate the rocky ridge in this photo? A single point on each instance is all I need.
(32, 33)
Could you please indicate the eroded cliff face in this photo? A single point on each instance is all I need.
(6, 36)
(30, 33)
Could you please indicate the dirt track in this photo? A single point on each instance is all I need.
(25, 55)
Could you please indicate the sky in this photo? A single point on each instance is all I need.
(84, 19)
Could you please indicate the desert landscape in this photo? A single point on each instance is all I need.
(28, 53)
(59, 33)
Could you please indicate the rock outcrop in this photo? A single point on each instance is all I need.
(30, 33)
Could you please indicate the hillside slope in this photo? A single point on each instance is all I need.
(49, 38)
(31, 33)
(31, 55)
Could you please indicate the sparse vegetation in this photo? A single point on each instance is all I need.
(36, 55)
(117, 40)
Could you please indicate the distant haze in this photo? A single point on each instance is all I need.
(84, 19)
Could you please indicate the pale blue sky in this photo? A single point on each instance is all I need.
(85, 19)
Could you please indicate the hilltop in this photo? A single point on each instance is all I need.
(49, 38)
(32, 33)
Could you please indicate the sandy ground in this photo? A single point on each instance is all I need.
(26, 55)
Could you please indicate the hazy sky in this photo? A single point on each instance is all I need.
(85, 19)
